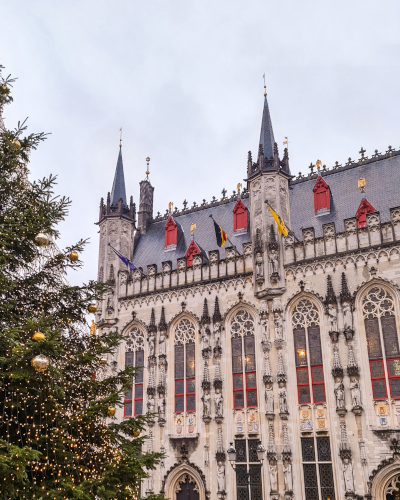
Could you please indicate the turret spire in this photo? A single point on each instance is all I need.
(118, 189)
(267, 139)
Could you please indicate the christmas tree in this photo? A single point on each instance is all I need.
(58, 396)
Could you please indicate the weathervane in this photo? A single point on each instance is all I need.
(192, 228)
(170, 205)
(239, 187)
(361, 185)
(120, 137)
(318, 164)
(147, 171)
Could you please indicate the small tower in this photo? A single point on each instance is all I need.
(117, 224)
(145, 213)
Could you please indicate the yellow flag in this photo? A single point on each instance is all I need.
(279, 221)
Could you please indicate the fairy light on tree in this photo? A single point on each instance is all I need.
(58, 435)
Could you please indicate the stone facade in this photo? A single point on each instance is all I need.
(266, 342)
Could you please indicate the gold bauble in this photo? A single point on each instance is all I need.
(6, 89)
(111, 411)
(92, 308)
(73, 256)
(16, 144)
(40, 363)
(42, 239)
(136, 434)
(38, 337)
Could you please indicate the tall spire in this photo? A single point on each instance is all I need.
(267, 139)
(118, 188)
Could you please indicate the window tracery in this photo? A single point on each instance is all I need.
(243, 360)
(185, 366)
(308, 353)
(134, 356)
(381, 330)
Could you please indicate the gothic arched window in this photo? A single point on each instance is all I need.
(243, 360)
(308, 353)
(134, 356)
(185, 367)
(380, 329)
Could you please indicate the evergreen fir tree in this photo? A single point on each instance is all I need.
(58, 437)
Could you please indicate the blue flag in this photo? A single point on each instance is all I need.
(126, 261)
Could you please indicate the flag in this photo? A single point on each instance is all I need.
(126, 261)
(279, 221)
(220, 234)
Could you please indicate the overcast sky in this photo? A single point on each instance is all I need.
(183, 79)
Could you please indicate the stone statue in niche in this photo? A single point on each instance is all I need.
(218, 401)
(259, 266)
(348, 475)
(161, 343)
(206, 398)
(269, 400)
(152, 345)
(221, 476)
(205, 339)
(355, 392)
(150, 403)
(265, 330)
(332, 315)
(217, 334)
(273, 477)
(161, 407)
(110, 301)
(278, 327)
(287, 476)
(283, 405)
(274, 262)
(339, 395)
(347, 316)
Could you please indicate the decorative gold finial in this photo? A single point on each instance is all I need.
(192, 228)
(148, 171)
(265, 87)
(361, 184)
(318, 164)
(239, 187)
(170, 206)
(120, 137)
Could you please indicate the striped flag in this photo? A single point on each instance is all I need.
(279, 221)
(220, 234)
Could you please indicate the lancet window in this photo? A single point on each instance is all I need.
(134, 356)
(308, 353)
(243, 360)
(185, 367)
(382, 342)
(247, 461)
(317, 468)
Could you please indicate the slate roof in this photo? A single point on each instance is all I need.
(382, 191)
(118, 188)
(267, 134)
(151, 250)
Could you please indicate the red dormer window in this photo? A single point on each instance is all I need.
(239, 216)
(322, 198)
(170, 232)
(192, 250)
(361, 214)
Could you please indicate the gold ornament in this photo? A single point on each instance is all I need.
(73, 256)
(136, 433)
(92, 308)
(42, 239)
(6, 89)
(111, 411)
(40, 363)
(16, 144)
(38, 337)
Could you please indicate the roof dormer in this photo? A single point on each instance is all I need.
(193, 249)
(322, 197)
(364, 209)
(239, 217)
(171, 234)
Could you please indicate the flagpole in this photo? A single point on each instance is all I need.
(288, 228)
(234, 246)
(120, 254)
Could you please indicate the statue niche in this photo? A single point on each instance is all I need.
(273, 248)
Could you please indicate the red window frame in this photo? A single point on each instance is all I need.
(180, 394)
(251, 389)
(390, 377)
(317, 383)
(138, 399)
(190, 394)
(378, 378)
(303, 384)
(238, 390)
(127, 401)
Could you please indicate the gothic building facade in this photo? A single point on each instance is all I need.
(285, 343)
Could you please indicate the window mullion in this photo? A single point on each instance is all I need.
(388, 391)
(310, 388)
(244, 383)
(317, 467)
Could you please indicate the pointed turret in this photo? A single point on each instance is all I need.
(217, 313)
(118, 191)
(267, 139)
